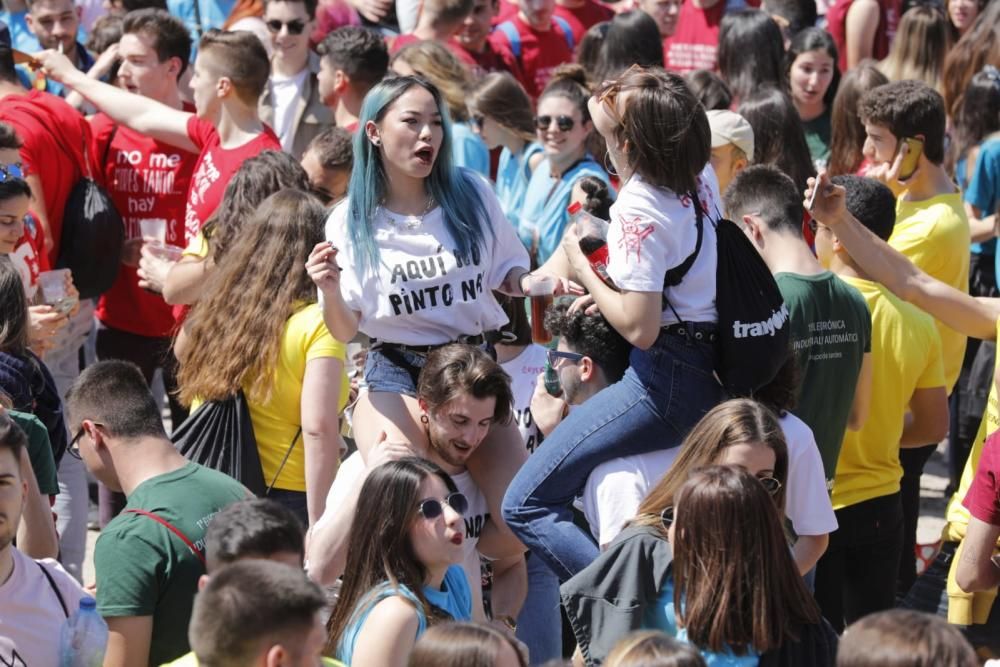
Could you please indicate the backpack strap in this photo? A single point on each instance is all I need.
(567, 31)
(55, 589)
(283, 462)
(513, 37)
(675, 275)
(173, 529)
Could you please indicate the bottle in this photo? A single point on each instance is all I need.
(84, 637)
(552, 383)
(593, 240)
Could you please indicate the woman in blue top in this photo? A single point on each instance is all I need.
(562, 125)
(502, 116)
(402, 572)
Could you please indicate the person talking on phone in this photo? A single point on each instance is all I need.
(904, 140)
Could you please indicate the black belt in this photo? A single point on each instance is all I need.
(486, 338)
(699, 331)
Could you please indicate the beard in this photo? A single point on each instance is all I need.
(446, 451)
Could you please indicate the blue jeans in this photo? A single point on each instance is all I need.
(664, 393)
(539, 625)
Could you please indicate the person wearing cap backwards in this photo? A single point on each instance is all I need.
(732, 145)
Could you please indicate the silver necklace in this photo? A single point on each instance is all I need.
(409, 221)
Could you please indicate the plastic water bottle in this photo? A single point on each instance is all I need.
(84, 637)
(593, 240)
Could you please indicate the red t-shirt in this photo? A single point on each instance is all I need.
(888, 21)
(983, 498)
(541, 54)
(145, 179)
(507, 12)
(695, 43)
(581, 18)
(490, 60)
(397, 43)
(53, 135)
(214, 168)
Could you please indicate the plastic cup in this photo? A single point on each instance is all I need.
(171, 253)
(540, 291)
(53, 286)
(154, 228)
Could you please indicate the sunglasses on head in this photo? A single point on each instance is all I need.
(431, 508)
(564, 123)
(295, 27)
(770, 484)
(9, 172)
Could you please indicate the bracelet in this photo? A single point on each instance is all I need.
(508, 621)
(520, 282)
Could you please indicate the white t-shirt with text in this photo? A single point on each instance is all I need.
(524, 370)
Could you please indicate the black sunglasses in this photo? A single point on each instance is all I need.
(555, 355)
(74, 445)
(295, 27)
(564, 123)
(9, 172)
(431, 508)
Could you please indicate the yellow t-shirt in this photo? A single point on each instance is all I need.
(276, 422)
(968, 608)
(934, 235)
(198, 247)
(906, 354)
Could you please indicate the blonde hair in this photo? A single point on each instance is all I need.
(919, 48)
(438, 65)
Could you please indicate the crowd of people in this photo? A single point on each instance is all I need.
(388, 333)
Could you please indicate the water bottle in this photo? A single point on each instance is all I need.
(84, 637)
(593, 240)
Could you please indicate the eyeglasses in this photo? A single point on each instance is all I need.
(554, 356)
(667, 516)
(771, 485)
(477, 120)
(564, 123)
(431, 508)
(74, 444)
(9, 172)
(295, 27)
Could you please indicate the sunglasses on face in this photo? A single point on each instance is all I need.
(9, 172)
(555, 355)
(294, 27)
(431, 508)
(564, 123)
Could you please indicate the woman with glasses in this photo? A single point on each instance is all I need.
(501, 115)
(402, 573)
(562, 127)
(712, 545)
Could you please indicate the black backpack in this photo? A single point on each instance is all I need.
(753, 336)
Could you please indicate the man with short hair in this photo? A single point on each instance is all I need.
(352, 60)
(932, 230)
(829, 320)
(857, 574)
(474, 34)
(149, 558)
(36, 596)
(291, 103)
(664, 12)
(146, 179)
(259, 612)
(535, 42)
(55, 24)
(328, 162)
(439, 21)
(230, 73)
(732, 145)
(462, 393)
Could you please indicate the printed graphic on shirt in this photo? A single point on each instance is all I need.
(634, 232)
(204, 177)
(142, 181)
(412, 299)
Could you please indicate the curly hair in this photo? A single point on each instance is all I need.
(591, 336)
(908, 108)
(235, 331)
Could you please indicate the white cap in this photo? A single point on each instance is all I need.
(729, 127)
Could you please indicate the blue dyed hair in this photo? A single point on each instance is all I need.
(452, 188)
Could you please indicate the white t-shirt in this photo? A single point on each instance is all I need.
(652, 230)
(31, 617)
(477, 516)
(285, 94)
(424, 292)
(615, 489)
(524, 370)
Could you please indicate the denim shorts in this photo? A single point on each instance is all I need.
(396, 371)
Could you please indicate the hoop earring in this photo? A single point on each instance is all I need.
(608, 165)
(424, 420)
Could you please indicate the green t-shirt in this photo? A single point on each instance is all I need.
(144, 569)
(818, 132)
(39, 451)
(831, 330)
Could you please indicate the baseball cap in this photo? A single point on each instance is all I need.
(729, 127)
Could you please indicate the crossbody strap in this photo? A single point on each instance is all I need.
(55, 589)
(283, 462)
(173, 529)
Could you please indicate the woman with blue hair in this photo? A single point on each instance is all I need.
(424, 245)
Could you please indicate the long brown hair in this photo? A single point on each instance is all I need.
(977, 47)
(918, 50)
(462, 645)
(740, 421)
(847, 130)
(438, 65)
(235, 330)
(14, 308)
(379, 547)
(501, 97)
(735, 583)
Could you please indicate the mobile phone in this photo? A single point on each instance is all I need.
(915, 148)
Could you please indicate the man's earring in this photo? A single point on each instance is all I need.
(424, 420)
